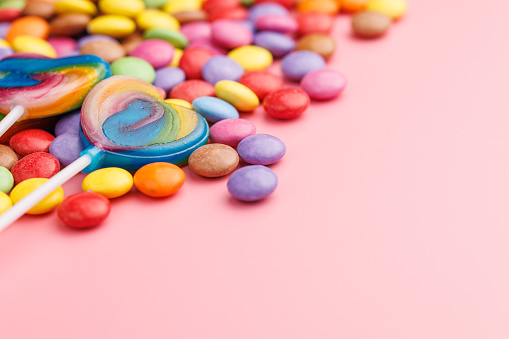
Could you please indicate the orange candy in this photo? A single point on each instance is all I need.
(28, 25)
(159, 179)
(352, 5)
(319, 6)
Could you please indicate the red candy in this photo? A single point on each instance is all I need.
(286, 103)
(287, 3)
(234, 13)
(314, 23)
(192, 89)
(35, 165)
(261, 82)
(31, 141)
(211, 5)
(192, 61)
(84, 210)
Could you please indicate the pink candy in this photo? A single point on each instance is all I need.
(323, 84)
(231, 131)
(158, 53)
(231, 34)
(277, 23)
(197, 30)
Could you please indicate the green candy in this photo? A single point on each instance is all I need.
(247, 3)
(155, 3)
(177, 39)
(6, 180)
(135, 67)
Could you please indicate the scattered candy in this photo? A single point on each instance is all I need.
(192, 89)
(214, 109)
(319, 43)
(8, 157)
(156, 52)
(135, 67)
(169, 77)
(160, 179)
(31, 141)
(221, 67)
(84, 210)
(261, 82)
(252, 58)
(5, 202)
(110, 182)
(241, 97)
(370, 24)
(66, 148)
(252, 183)
(6, 180)
(46, 205)
(323, 84)
(297, 64)
(286, 103)
(276, 43)
(261, 149)
(231, 131)
(213, 160)
(35, 165)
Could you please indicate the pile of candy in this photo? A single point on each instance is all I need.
(207, 61)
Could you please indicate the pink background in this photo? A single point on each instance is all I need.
(390, 220)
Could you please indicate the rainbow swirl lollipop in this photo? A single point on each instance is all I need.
(124, 123)
(39, 88)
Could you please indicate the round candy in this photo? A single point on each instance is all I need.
(155, 3)
(35, 165)
(252, 183)
(191, 16)
(231, 131)
(69, 24)
(323, 84)
(370, 24)
(63, 46)
(353, 5)
(392, 8)
(31, 141)
(176, 6)
(75, 6)
(69, 123)
(28, 25)
(267, 8)
(66, 148)
(5, 52)
(176, 38)
(241, 97)
(276, 23)
(286, 3)
(192, 89)
(84, 210)
(169, 77)
(156, 52)
(132, 41)
(6, 180)
(94, 37)
(111, 182)
(135, 67)
(221, 67)
(153, 18)
(115, 26)
(213, 160)
(319, 43)
(192, 61)
(30, 44)
(129, 8)
(207, 44)
(252, 58)
(234, 13)
(261, 149)
(286, 103)
(175, 62)
(314, 23)
(222, 34)
(109, 51)
(320, 6)
(197, 30)
(179, 102)
(276, 43)
(261, 82)
(8, 157)
(46, 205)
(41, 8)
(214, 109)
(5, 202)
(159, 179)
(297, 64)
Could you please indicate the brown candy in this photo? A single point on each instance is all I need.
(69, 24)
(191, 16)
(370, 24)
(8, 157)
(105, 49)
(320, 43)
(41, 8)
(213, 160)
(132, 41)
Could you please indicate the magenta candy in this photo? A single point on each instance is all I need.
(230, 34)
(277, 23)
(63, 46)
(156, 52)
(231, 131)
(197, 30)
(323, 84)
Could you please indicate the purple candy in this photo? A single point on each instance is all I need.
(4, 28)
(261, 149)
(297, 64)
(252, 183)
(89, 38)
(221, 67)
(66, 148)
(169, 77)
(5, 52)
(266, 8)
(276, 43)
(197, 30)
(70, 54)
(69, 123)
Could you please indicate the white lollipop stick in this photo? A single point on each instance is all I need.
(25, 204)
(11, 118)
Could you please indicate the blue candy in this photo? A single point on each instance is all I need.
(214, 109)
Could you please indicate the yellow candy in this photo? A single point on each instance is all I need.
(5, 202)
(46, 205)
(116, 26)
(111, 182)
(180, 102)
(175, 6)
(75, 6)
(129, 8)
(31, 44)
(392, 8)
(252, 58)
(175, 61)
(238, 95)
(4, 43)
(153, 18)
